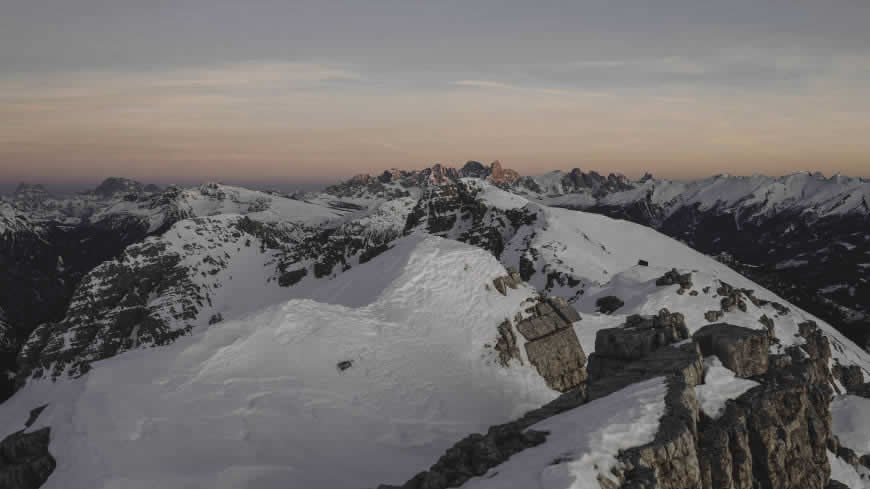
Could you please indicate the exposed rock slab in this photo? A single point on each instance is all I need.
(25, 462)
(740, 349)
(637, 338)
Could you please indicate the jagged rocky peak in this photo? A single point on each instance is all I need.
(502, 176)
(474, 169)
(31, 191)
(362, 179)
(576, 179)
(116, 185)
(438, 175)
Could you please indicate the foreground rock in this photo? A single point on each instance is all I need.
(25, 462)
(609, 304)
(637, 338)
(775, 435)
(740, 349)
(551, 344)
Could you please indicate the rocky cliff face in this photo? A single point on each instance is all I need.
(775, 435)
(25, 462)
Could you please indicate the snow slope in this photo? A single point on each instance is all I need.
(260, 403)
(583, 442)
(750, 196)
(258, 400)
(214, 199)
(602, 254)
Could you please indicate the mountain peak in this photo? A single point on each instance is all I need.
(499, 175)
(118, 185)
(31, 191)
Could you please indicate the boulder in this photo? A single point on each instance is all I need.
(732, 299)
(564, 309)
(851, 376)
(768, 323)
(713, 316)
(540, 326)
(559, 359)
(682, 361)
(506, 345)
(673, 277)
(510, 281)
(740, 349)
(25, 462)
(609, 304)
(637, 338)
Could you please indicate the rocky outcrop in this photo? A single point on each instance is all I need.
(501, 176)
(115, 185)
(732, 299)
(510, 281)
(506, 344)
(559, 359)
(25, 462)
(474, 169)
(713, 316)
(577, 180)
(673, 277)
(441, 175)
(741, 350)
(155, 292)
(637, 338)
(552, 345)
(775, 435)
(609, 304)
(683, 362)
(850, 376)
(670, 461)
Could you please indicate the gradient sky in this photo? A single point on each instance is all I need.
(305, 89)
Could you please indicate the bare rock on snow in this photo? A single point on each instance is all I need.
(740, 349)
(609, 304)
(25, 462)
(713, 316)
(559, 358)
(637, 338)
(673, 277)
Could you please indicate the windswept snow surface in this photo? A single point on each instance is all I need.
(603, 253)
(851, 418)
(215, 199)
(845, 473)
(720, 384)
(583, 442)
(260, 403)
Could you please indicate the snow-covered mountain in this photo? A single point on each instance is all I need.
(362, 335)
(48, 244)
(776, 230)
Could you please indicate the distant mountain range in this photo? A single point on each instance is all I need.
(351, 337)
